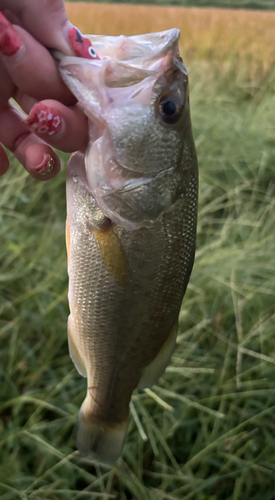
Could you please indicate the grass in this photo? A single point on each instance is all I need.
(240, 37)
(206, 431)
(231, 4)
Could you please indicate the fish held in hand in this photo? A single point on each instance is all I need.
(131, 225)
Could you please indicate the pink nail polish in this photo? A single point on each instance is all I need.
(81, 45)
(46, 166)
(44, 120)
(10, 42)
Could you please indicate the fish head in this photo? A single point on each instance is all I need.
(135, 96)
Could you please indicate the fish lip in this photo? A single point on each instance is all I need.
(157, 45)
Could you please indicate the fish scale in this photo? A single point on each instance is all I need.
(131, 228)
(126, 319)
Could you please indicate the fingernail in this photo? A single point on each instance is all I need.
(46, 166)
(81, 45)
(44, 120)
(10, 42)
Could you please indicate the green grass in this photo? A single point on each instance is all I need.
(206, 431)
(229, 4)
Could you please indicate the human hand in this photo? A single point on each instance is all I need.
(29, 74)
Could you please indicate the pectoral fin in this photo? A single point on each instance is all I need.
(113, 254)
(155, 369)
(74, 352)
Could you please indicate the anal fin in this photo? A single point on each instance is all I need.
(155, 369)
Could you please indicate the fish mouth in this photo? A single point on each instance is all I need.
(137, 50)
(135, 62)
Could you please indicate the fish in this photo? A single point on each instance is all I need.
(131, 225)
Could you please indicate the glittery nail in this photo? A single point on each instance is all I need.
(81, 45)
(46, 166)
(10, 42)
(44, 120)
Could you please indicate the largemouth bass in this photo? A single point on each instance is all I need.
(131, 225)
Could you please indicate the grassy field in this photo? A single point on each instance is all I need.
(216, 35)
(231, 4)
(206, 431)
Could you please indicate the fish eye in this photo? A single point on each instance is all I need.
(170, 108)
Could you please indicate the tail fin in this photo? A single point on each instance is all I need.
(101, 441)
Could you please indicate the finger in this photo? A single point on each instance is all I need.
(7, 87)
(65, 128)
(30, 65)
(40, 160)
(55, 31)
(46, 20)
(36, 156)
(4, 161)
